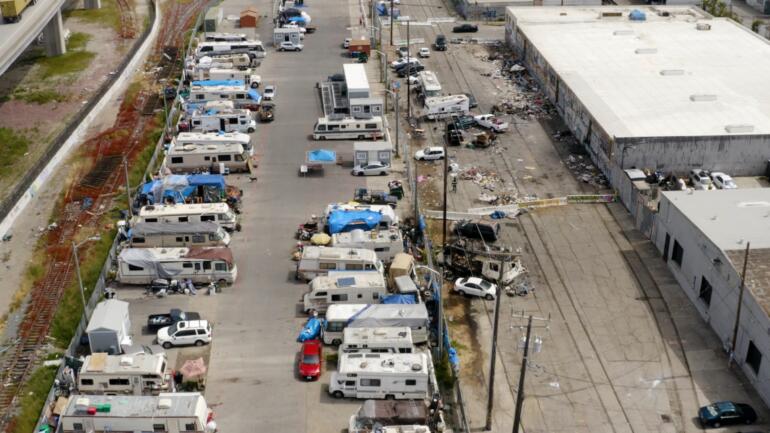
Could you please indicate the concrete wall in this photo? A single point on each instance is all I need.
(698, 263)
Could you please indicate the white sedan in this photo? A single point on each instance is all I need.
(476, 287)
(723, 181)
(374, 168)
(424, 52)
(429, 154)
(290, 46)
(402, 61)
(269, 93)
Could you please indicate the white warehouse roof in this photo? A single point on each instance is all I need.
(658, 77)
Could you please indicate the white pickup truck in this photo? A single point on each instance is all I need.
(489, 121)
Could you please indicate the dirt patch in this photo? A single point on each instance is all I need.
(463, 330)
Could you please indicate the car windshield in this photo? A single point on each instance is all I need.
(485, 284)
(172, 329)
(310, 359)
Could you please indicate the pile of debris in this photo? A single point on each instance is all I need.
(585, 171)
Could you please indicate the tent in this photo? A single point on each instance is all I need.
(340, 221)
(321, 156)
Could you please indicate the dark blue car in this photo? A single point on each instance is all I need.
(726, 413)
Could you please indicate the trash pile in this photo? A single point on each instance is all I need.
(585, 171)
(494, 190)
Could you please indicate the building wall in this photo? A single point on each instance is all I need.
(698, 263)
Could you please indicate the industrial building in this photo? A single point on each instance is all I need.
(703, 236)
(495, 9)
(663, 87)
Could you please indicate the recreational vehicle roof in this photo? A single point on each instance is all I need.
(217, 137)
(220, 88)
(182, 208)
(386, 211)
(440, 100)
(144, 229)
(383, 363)
(192, 149)
(359, 236)
(165, 405)
(313, 252)
(342, 279)
(429, 81)
(347, 119)
(107, 364)
(373, 315)
(149, 256)
(343, 311)
(365, 335)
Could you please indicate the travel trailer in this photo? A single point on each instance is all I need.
(219, 213)
(381, 375)
(139, 374)
(204, 138)
(223, 61)
(385, 243)
(442, 107)
(218, 119)
(212, 158)
(344, 287)
(341, 316)
(225, 72)
(253, 48)
(377, 340)
(348, 128)
(230, 90)
(429, 84)
(318, 261)
(224, 37)
(172, 235)
(200, 264)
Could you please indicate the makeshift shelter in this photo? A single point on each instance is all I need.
(109, 327)
(249, 17)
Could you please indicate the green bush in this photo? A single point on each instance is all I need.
(14, 147)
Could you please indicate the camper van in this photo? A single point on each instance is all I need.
(253, 48)
(204, 138)
(213, 158)
(171, 235)
(442, 107)
(140, 374)
(208, 119)
(429, 84)
(242, 96)
(340, 287)
(317, 261)
(348, 128)
(377, 340)
(225, 72)
(219, 213)
(200, 264)
(342, 316)
(381, 375)
(385, 243)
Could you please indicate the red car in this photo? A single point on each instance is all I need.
(310, 361)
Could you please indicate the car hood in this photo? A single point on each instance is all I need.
(163, 334)
(309, 369)
(707, 415)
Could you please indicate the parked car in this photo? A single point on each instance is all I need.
(269, 93)
(403, 61)
(424, 52)
(337, 78)
(461, 122)
(266, 112)
(290, 46)
(486, 230)
(476, 287)
(700, 179)
(158, 321)
(374, 168)
(411, 71)
(413, 80)
(185, 333)
(723, 181)
(440, 43)
(402, 51)
(726, 413)
(347, 42)
(310, 360)
(471, 100)
(465, 28)
(492, 122)
(429, 154)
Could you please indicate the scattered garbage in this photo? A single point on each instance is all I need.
(585, 171)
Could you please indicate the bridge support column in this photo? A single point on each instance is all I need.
(92, 4)
(53, 33)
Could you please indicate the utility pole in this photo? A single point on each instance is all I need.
(740, 301)
(520, 393)
(391, 23)
(408, 74)
(493, 356)
(128, 187)
(443, 218)
(397, 121)
(80, 278)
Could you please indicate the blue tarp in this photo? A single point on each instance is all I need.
(299, 20)
(179, 187)
(311, 330)
(340, 221)
(382, 10)
(253, 94)
(322, 155)
(216, 180)
(219, 83)
(399, 299)
(637, 15)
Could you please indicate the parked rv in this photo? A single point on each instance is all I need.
(341, 316)
(169, 235)
(253, 48)
(442, 107)
(317, 261)
(223, 72)
(224, 37)
(412, 413)
(140, 374)
(223, 61)
(429, 84)
(214, 119)
(385, 243)
(232, 90)
(219, 213)
(201, 265)
(379, 375)
(212, 158)
(204, 138)
(466, 259)
(377, 340)
(344, 287)
(348, 128)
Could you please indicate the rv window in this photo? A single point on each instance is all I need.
(368, 267)
(404, 350)
(184, 219)
(180, 238)
(119, 382)
(189, 427)
(320, 295)
(199, 97)
(375, 295)
(86, 382)
(334, 127)
(187, 265)
(206, 266)
(321, 128)
(350, 383)
(207, 48)
(198, 239)
(354, 267)
(343, 126)
(371, 126)
(340, 298)
(77, 426)
(159, 427)
(370, 382)
(335, 326)
(207, 158)
(220, 266)
(382, 250)
(225, 158)
(494, 267)
(177, 160)
(411, 382)
(214, 237)
(239, 157)
(137, 240)
(223, 97)
(240, 96)
(197, 266)
(327, 266)
(233, 121)
(205, 218)
(134, 268)
(150, 220)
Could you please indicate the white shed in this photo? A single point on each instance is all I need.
(109, 328)
(365, 152)
(286, 34)
(356, 81)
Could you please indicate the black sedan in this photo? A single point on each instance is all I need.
(726, 413)
(411, 71)
(465, 28)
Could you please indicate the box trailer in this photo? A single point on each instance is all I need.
(381, 375)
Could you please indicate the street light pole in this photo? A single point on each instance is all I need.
(391, 23)
(493, 356)
(128, 186)
(408, 74)
(740, 302)
(80, 278)
(520, 393)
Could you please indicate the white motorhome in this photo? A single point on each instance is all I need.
(241, 95)
(253, 48)
(167, 412)
(224, 61)
(381, 375)
(200, 264)
(344, 287)
(348, 128)
(189, 234)
(224, 37)
(213, 158)
(219, 213)
(385, 243)
(388, 219)
(207, 119)
(208, 72)
(204, 138)
(429, 84)
(341, 316)
(318, 261)
(442, 107)
(140, 374)
(377, 340)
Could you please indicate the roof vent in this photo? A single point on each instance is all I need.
(164, 403)
(670, 72)
(739, 129)
(416, 367)
(703, 98)
(646, 50)
(702, 26)
(623, 32)
(126, 361)
(753, 204)
(612, 14)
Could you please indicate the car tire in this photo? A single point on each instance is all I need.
(167, 345)
(336, 342)
(489, 297)
(384, 173)
(716, 425)
(360, 173)
(748, 422)
(250, 130)
(199, 343)
(338, 394)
